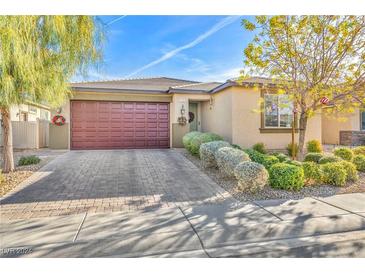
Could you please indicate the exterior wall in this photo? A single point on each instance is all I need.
(59, 136)
(334, 123)
(217, 115)
(246, 122)
(178, 101)
(33, 112)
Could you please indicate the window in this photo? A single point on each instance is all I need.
(362, 120)
(278, 111)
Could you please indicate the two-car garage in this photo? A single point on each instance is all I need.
(112, 124)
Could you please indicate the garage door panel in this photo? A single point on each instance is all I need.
(119, 125)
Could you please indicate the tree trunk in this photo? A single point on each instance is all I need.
(8, 163)
(302, 129)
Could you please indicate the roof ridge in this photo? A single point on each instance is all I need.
(130, 79)
(195, 84)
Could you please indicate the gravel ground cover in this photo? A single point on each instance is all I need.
(267, 193)
(21, 173)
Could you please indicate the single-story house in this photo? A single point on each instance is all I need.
(29, 112)
(157, 112)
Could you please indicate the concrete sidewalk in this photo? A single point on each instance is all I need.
(311, 227)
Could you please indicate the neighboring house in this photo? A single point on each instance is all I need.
(30, 123)
(147, 113)
(343, 129)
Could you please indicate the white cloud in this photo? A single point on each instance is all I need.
(115, 20)
(221, 24)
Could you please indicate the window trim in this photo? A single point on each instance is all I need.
(263, 128)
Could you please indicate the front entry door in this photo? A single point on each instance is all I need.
(193, 116)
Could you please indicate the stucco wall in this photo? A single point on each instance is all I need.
(247, 122)
(32, 116)
(334, 123)
(217, 116)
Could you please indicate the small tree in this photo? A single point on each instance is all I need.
(311, 57)
(38, 56)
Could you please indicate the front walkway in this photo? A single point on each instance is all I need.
(311, 227)
(110, 180)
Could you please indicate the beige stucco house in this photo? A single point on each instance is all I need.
(157, 112)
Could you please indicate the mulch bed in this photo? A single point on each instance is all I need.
(268, 193)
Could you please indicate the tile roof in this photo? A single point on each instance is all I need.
(154, 85)
(196, 87)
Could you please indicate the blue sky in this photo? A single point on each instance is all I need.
(203, 48)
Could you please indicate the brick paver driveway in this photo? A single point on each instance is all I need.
(111, 180)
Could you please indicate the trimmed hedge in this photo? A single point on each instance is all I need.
(312, 172)
(208, 150)
(329, 159)
(228, 158)
(259, 147)
(266, 160)
(293, 162)
(359, 150)
(28, 160)
(188, 137)
(344, 153)
(201, 139)
(313, 157)
(351, 172)
(285, 176)
(251, 176)
(334, 174)
(282, 157)
(314, 146)
(359, 161)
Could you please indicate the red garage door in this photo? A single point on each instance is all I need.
(97, 125)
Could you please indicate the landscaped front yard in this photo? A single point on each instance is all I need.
(254, 173)
(27, 162)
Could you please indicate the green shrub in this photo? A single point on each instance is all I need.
(259, 147)
(282, 157)
(251, 176)
(314, 146)
(228, 158)
(254, 155)
(351, 172)
(269, 160)
(289, 148)
(359, 150)
(359, 161)
(344, 153)
(285, 176)
(28, 160)
(236, 146)
(312, 172)
(207, 152)
(329, 159)
(188, 137)
(334, 174)
(201, 139)
(293, 162)
(313, 157)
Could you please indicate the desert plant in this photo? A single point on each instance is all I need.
(289, 148)
(208, 150)
(314, 146)
(188, 137)
(344, 153)
(236, 146)
(269, 160)
(312, 172)
(359, 150)
(334, 174)
(293, 162)
(251, 176)
(351, 172)
(285, 176)
(228, 158)
(2, 178)
(329, 159)
(255, 156)
(313, 157)
(359, 161)
(28, 160)
(259, 147)
(201, 139)
(282, 157)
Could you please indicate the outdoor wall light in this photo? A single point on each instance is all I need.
(182, 111)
